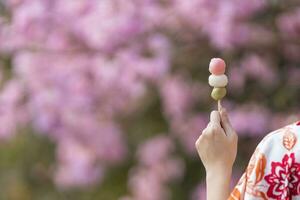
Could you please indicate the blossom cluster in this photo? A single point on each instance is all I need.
(157, 166)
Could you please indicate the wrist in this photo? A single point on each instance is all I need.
(218, 183)
(219, 172)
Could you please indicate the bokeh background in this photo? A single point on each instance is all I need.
(104, 99)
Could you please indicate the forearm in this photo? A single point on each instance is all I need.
(218, 184)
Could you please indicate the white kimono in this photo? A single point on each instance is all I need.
(274, 169)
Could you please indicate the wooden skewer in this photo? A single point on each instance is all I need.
(219, 105)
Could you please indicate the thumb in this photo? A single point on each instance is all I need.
(215, 118)
(226, 122)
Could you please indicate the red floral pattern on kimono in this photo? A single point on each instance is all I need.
(284, 178)
(274, 169)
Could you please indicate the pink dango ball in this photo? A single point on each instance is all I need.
(217, 66)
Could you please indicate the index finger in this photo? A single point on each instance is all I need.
(226, 122)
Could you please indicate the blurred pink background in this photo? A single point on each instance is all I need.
(105, 99)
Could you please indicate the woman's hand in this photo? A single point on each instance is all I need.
(217, 146)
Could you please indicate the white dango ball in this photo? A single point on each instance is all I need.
(218, 81)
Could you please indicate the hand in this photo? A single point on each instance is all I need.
(217, 146)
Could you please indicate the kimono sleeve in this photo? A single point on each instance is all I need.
(273, 171)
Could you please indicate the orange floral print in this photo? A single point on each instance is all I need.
(260, 168)
(235, 195)
(256, 168)
(289, 139)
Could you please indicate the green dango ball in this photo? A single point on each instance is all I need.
(218, 93)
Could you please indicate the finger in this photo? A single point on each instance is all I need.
(215, 117)
(216, 130)
(206, 132)
(226, 122)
